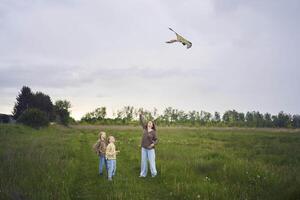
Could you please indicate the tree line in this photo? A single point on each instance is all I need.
(36, 109)
(172, 116)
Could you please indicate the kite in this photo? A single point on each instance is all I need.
(180, 39)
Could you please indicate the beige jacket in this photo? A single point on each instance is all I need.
(111, 153)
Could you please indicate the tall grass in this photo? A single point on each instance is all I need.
(58, 163)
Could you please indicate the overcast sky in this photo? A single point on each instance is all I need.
(245, 54)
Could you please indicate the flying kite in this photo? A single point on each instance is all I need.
(180, 39)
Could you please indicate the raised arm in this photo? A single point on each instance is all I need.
(142, 121)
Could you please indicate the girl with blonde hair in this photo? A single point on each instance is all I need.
(100, 148)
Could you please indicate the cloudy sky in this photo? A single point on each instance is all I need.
(245, 54)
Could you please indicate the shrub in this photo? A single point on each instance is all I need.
(34, 117)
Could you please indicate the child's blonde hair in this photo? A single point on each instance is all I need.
(101, 135)
(110, 137)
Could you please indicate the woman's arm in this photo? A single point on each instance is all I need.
(142, 121)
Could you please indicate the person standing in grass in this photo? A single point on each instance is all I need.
(100, 148)
(111, 155)
(149, 140)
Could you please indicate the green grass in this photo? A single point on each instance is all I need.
(58, 163)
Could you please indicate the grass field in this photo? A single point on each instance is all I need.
(58, 163)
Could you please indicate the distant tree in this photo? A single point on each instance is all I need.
(182, 117)
(120, 114)
(241, 118)
(296, 121)
(225, 117)
(154, 113)
(24, 101)
(258, 119)
(249, 119)
(282, 120)
(97, 115)
(148, 115)
(268, 120)
(275, 120)
(100, 113)
(43, 102)
(89, 117)
(234, 118)
(174, 115)
(230, 117)
(33, 117)
(128, 113)
(204, 117)
(167, 115)
(217, 117)
(192, 117)
(62, 111)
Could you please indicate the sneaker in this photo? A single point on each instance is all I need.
(109, 179)
(142, 176)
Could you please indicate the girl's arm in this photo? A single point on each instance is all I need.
(142, 121)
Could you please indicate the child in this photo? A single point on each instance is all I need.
(111, 157)
(100, 148)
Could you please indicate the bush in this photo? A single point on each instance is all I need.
(34, 117)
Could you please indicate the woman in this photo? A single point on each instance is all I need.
(149, 140)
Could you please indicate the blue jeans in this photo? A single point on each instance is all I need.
(102, 161)
(148, 155)
(111, 168)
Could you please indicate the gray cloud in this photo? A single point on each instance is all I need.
(244, 54)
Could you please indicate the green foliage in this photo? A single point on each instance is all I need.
(234, 118)
(268, 120)
(34, 118)
(43, 102)
(282, 120)
(174, 117)
(24, 100)
(192, 163)
(27, 99)
(217, 117)
(62, 111)
(97, 115)
(296, 121)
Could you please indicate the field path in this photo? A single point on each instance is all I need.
(85, 182)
